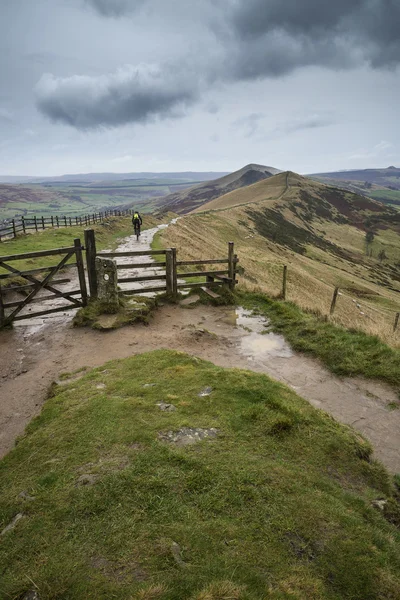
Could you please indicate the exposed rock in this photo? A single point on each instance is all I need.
(166, 407)
(100, 386)
(205, 392)
(106, 322)
(87, 479)
(25, 496)
(187, 436)
(13, 523)
(107, 281)
(380, 504)
(190, 300)
(176, 553)
(31, 595)
(149, 385)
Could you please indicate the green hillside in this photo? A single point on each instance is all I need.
(276, 501)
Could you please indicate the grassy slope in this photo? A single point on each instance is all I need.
(320, 252)
(277, 507)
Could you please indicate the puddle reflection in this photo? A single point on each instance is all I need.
(257, 342)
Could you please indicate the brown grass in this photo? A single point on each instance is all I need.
(311, 278)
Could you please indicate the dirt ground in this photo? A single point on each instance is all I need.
(31, 358)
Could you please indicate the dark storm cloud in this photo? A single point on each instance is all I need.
(256, 39)
(274, 37)
(114, 8)
(132, 94)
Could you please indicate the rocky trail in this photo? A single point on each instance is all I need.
(36, 352)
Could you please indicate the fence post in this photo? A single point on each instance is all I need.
(23, 223)
(81, 270)
(35, 220)
(70, 222)
(52, 221)
(174, 274)
(2, 315)
(90, 247)
(231, 265)
(14, 230)
(235, 261)
(396, 321)
(333, 304)
(42, 222)
(169, 271)
(58, 224)
(284, 282)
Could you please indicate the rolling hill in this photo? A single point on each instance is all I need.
(381, 184)
(189, 199)
(90, 178)
(319, 231)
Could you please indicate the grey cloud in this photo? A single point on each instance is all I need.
(114, 8)
(249, 123)
(274, 37)
(311, 122)
(132, 94)
(259, 38)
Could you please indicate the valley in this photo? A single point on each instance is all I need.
(81, 195)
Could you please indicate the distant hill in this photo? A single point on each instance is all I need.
(187, 200)
(108, 177)
(381, 184)
(308, 201)
(382, 177)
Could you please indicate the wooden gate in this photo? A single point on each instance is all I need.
(162, 274)
(40, 280)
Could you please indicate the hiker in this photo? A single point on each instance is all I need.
(136, 220)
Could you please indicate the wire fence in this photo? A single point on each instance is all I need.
(337, 293)
(23, 225)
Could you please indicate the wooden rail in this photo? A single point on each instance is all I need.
(171, 276)
(22, 225)
(35, 285)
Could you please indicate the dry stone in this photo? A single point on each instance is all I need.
(107, 281)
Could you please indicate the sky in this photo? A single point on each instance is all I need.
(200, 85)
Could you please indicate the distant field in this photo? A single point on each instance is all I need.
(376, 191)
(73, 199)
(386, 195)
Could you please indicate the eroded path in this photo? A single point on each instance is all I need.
(34, 355)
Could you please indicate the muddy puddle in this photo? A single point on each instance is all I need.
(258, 342)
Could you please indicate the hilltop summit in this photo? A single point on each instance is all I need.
(187, 200)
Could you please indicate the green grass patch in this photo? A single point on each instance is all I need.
(343, 351)
(277, 506)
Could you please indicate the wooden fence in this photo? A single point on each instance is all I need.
(169, 276)
(26, 224)
(41, 280)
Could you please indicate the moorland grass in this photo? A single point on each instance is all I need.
(278, 506)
